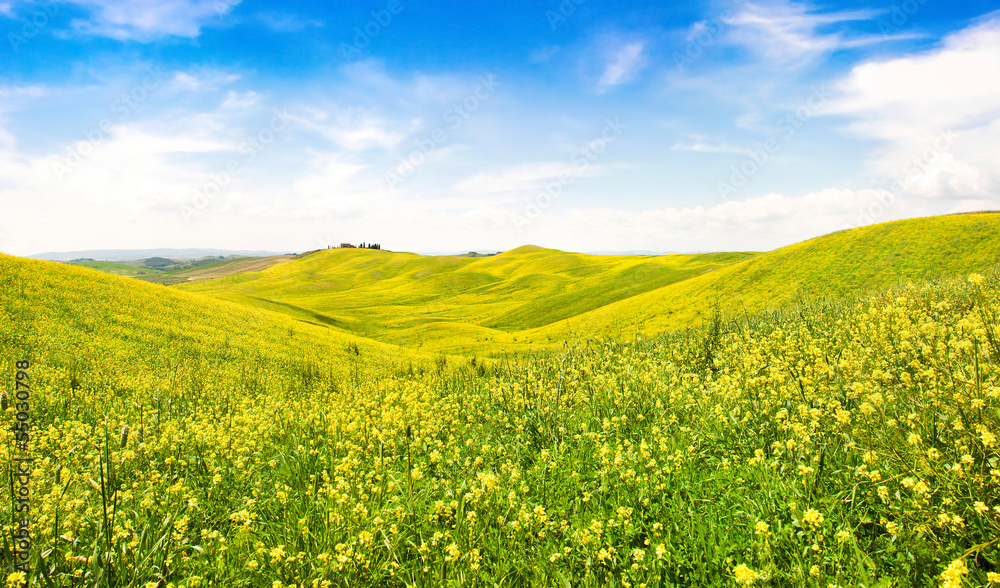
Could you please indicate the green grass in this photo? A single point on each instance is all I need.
(833, 266)
(209, 268)
(532, 297)
(169, 272)
(189, 441)
(133, 269)
(451, 303)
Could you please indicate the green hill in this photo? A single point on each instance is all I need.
(182, 440)
(118, 268)
(837, 265)
(536, 297)
(467, 303)
(89, 322)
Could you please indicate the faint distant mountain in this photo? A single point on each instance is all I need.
(130, 254)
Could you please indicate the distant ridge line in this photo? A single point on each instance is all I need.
(131, 254)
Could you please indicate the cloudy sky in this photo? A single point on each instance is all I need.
(582, 125)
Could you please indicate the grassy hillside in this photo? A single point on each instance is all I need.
(532, 297)
(78, 319)
(170, 271)
(186, 441)
(449, 302)
(117, 268)
(833, 266)
(191, 272)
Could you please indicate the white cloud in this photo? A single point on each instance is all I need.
(528, 177)
(790, 34)
(352, 129)
(329, 174)
(202, 80)
(147, 20)
(938, 114)
(286, 23)
(703, 144)
(761, 224)
(544, 54)
(623, 65)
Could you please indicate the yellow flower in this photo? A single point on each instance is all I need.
(813, 517)
(975, 279)
(277, 554)
(16, 579)
(989, 440)
(745, 576)
(883, 493)
(951, 577)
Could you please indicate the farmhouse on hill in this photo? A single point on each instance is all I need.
(362, 246)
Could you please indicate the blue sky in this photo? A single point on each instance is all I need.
(433, 126)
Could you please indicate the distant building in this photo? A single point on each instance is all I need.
(346, 246)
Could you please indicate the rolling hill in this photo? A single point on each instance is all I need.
(838, 265)
(87, 321)
(216, 269)
(536, 297)
(181, 439)
(452, 303)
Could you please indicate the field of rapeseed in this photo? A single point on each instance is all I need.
(187, 442)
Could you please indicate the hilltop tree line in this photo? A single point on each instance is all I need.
(361, 246)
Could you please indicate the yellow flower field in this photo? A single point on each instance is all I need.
(185, 442)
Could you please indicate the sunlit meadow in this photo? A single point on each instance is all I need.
(835, 444)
